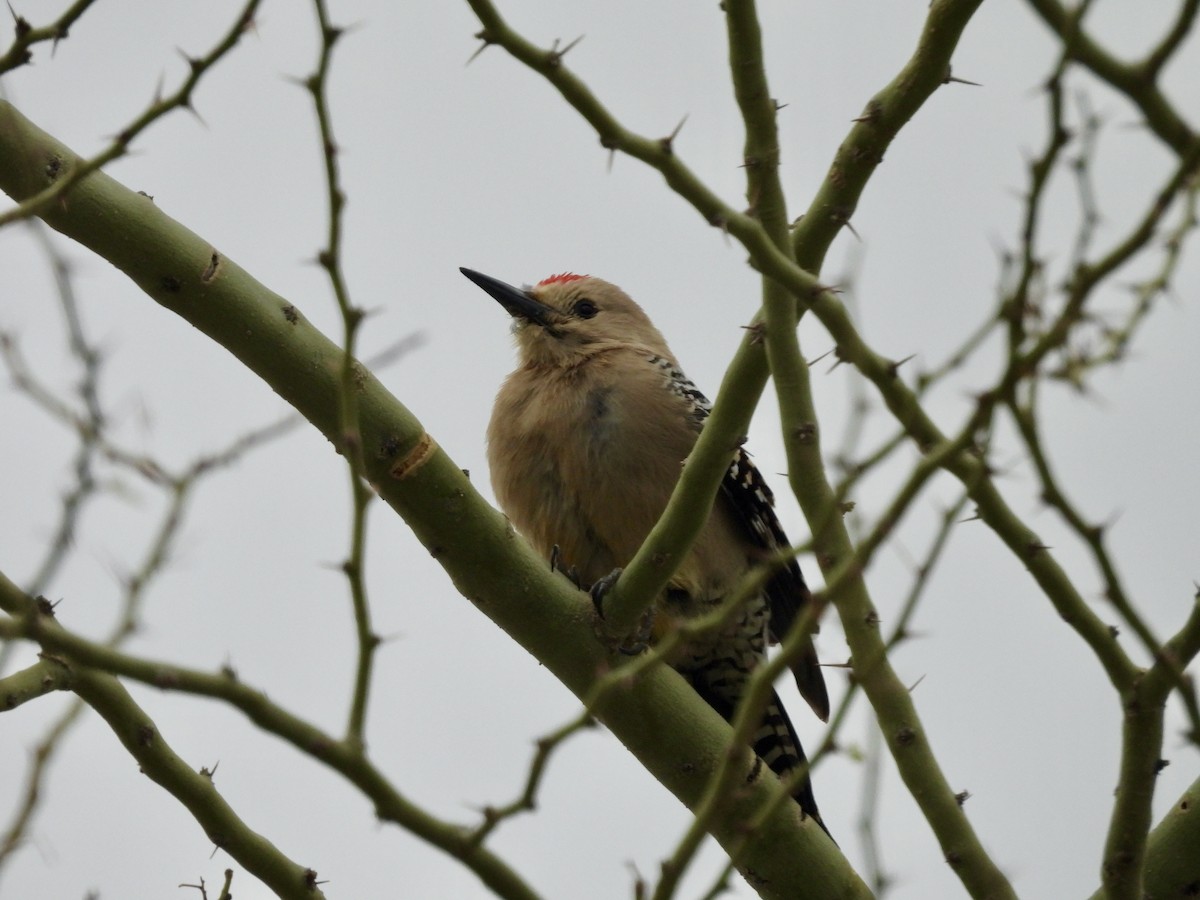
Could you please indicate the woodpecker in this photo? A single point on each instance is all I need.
(585, 445)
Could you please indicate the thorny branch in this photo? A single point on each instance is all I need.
(92, 419)
(898, 634)
(195, 790)
(179, 489)
(1138, 82)
(95, 446)
(350, 447)
(180, 99)
(1031, 342)
(27, 35)
(347, 757)
(526, 801)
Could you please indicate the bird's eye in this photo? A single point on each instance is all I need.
(585, 308)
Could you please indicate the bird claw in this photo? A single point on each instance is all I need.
(572, 573)
(602, 587)
(638, 642)
(627, 645)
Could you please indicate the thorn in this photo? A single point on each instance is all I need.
(950, 78)
(194, 63)
(669, 140)
(331, 33)
(848, 664)
(894, 368)
(186, 103)
(484, 43)
(250, 24)
(871, 114)
(20, 24)
(912, 687)
(554, 57)
(46, 607)
(61, 33)
(756, 332)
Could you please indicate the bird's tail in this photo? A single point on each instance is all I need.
(778, 745)
(775, 742)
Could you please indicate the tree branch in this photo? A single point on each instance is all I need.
(1137, 82)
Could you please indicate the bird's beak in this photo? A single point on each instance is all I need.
(520, 304)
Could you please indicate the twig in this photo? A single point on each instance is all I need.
(62, 174)
(1136, 82)
(19, 54)
(346, 757)
(350, 444)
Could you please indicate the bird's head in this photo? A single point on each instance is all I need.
(565, 319)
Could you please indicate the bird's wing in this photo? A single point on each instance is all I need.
(753, 507)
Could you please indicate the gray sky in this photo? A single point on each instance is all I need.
(484, 166)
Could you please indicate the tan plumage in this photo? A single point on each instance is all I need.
(586, 442)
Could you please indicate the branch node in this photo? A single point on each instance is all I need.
(420, 454)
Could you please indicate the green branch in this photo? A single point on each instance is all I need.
(346, 757)
(137, 732)
(26, 35)
(1138, 82)
(862, 150)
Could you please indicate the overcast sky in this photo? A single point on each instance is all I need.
(482, 165)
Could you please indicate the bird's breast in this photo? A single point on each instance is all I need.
(586, 458)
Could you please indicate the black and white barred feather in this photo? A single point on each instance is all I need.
(753, 504)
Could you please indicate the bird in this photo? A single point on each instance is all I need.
(585, 444)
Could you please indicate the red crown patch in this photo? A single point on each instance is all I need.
(561, 278)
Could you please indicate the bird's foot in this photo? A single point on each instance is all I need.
(629, 644)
